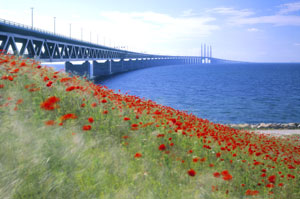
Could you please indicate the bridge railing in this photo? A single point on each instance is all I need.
(11, 23)
(31, 28)
(39, 30)
(15, 24)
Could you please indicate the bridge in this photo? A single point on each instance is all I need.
(98, 60)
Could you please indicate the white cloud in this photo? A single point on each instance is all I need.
(277, 20)
(245, 16)
(253, 30)
(231, 12)
(152, 29)
(188, 13)
(296, 44)
(289, 7)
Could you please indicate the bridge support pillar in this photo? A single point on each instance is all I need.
(79, 69)
(110, 66)
(116, 66)
(101, 69)
(127, 64)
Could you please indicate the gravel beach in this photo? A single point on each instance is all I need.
(270, 128)
(280, 131)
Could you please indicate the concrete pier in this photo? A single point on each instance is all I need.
(79, 69)
(102, 69)
(94, 69)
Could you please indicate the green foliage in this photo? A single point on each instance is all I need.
(64, 161)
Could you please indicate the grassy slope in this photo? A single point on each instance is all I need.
(42, 161)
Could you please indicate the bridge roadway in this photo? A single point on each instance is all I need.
(45, 46)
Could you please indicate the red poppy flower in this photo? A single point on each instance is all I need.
(251, 192)
(191, 172)
(104, 101)
(91, 120)
(138, 155)
(217, 174)
(227, 177)
(291, 167)
(1, 86)
(68, 116)
(82, 105)
(22, 64)
(272, 179)
(65, 79)
(15, 71)
(224, 173)
(157, 112)
(20, 101)
(49, 83)
(290, 176)
(270, 185)
(134, 125)
(49, 123)
(105, 112)
(126, 118)
(50, 103)
(53, 99)
(162, 147)
(256, 163)
(70, 88)
(46, 78)
(86, 127)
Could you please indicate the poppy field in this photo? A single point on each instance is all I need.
(62, 136)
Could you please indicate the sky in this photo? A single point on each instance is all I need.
(243, 30)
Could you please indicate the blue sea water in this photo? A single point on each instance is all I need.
(229, 93)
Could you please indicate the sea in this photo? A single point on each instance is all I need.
(222, 93)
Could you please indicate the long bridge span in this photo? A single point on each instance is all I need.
(46, 46)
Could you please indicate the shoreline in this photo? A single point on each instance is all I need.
(266, 126)
(279, 132)
(274, 129)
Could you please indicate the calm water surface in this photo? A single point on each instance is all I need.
(232, 93)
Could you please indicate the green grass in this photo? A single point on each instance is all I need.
(65, 161)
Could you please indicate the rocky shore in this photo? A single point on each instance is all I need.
(266, 126)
